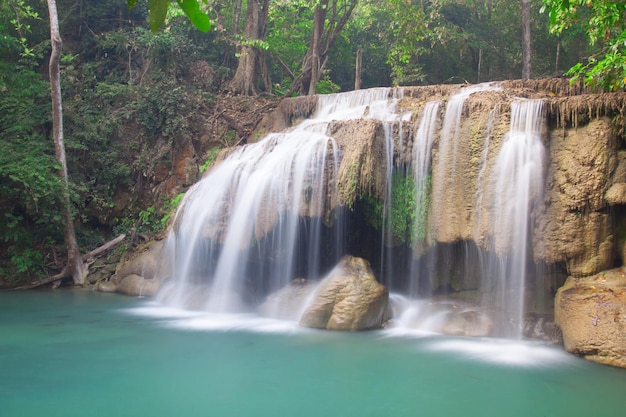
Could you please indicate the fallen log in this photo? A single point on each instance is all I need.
(65, 272)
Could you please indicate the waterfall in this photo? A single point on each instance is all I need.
(422, 150)
(448, 198)
(270, 212)
(518, 178)
(262, 216)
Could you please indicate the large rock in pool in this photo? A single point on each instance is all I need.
(591, 313)
(350, 298)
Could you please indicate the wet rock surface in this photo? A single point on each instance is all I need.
(350, 298)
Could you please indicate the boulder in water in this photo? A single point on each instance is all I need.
(350, 298)
(591, 313)
(138, 286)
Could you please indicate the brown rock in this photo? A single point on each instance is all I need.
(138, 286)
(147, 262)
(591, 313)
(616, 194)
(350, 298)
(574, 226)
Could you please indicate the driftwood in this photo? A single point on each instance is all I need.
(65, 272)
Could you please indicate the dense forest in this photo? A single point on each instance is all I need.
(142, 93)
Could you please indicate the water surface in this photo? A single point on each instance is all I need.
(78, 353)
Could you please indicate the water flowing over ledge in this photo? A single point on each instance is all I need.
(458, 196)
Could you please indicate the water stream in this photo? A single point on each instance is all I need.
(78, 353)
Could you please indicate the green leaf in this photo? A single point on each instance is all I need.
(157, 12)
(132, 3)
(199, 19)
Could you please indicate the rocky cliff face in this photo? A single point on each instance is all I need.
(574, 221)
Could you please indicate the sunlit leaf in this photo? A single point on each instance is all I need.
(199, 19)
(157, 12)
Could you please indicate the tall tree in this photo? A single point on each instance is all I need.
(251, 56)
(75, 264)
(329, 19)
(526, 42)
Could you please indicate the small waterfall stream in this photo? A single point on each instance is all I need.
(518, 175)
(271, 212)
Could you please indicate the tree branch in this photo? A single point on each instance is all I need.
(65, 272)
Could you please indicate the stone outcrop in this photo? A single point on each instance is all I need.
(350, 298)
(136, 285)
(574, 226)
(591, 313)
(140, 275)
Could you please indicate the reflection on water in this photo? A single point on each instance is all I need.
(76, 353)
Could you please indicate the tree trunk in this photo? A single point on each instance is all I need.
(314, 49)
(74, 260)
(237, 16)
(480, 63)
(357, 76)
(526, 44)
(85, 258)
(557, 57)
(244, 81)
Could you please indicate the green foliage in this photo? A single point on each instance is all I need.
(210, 158)
(290, 24)
(157, 12)
(150, 219)
(27, 260)
(403, 207)
(325, 85)
(409, 209)
(29, 184)
(409, 30)
(169, 208)
(606, 30)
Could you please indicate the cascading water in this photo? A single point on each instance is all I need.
(490, 256)
(447, 195)
(422, 150)
(518, 178)
(261, 217)
(268, 213)
(247, 212)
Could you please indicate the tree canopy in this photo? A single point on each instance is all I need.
(605, 27)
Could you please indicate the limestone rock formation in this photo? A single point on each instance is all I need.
(350, 298)
(591, 313)
(136, 285)
(146, 262)
(138, 275)
(574, 226)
